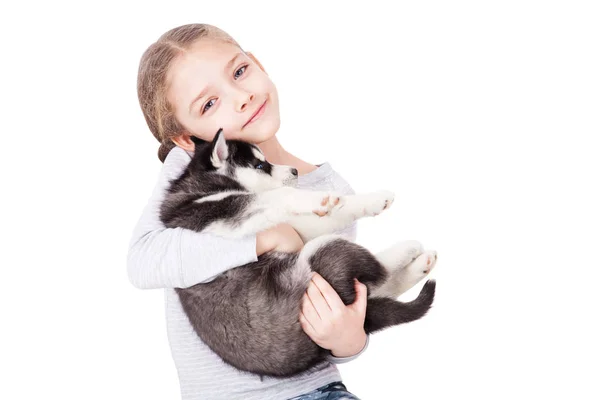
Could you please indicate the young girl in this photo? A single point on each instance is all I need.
(194, 80)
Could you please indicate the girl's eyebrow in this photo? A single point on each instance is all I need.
(203, 92)
(232, 61)
(201, 95)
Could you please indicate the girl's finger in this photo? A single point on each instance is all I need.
(309, 311)
(307, 326)
(316, 297)
(329, 294)
(360, 302)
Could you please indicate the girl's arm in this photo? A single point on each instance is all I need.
(161, 257)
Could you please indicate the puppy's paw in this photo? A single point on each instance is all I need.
(421, 266)
(413, 249)
(400, 255)
(377, 202)
(328, 203)
(404, 253)
(403, 279)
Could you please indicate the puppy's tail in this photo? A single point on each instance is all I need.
(383, 312)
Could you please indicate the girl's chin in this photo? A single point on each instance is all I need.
(261, 132)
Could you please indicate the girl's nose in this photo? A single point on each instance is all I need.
(248, 98)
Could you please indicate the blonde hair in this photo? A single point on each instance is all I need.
(152, 82)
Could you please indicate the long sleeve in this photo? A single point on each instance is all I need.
(341, 360)
(161, 257)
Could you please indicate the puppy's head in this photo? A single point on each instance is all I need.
(245, 163)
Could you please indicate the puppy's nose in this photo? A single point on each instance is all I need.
(294, 172)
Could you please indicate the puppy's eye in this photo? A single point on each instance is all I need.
(260, 166)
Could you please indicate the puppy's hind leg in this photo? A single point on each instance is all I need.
(414, 272)
(399, 255)
(404, 278)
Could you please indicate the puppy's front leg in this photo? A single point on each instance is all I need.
(351, 208)
(364, 205)
(266, 209)
(289, 202)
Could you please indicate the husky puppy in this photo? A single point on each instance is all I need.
(249, 315)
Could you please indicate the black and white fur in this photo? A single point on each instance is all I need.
(249, 315)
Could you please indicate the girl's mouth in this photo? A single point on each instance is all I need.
(257, 114)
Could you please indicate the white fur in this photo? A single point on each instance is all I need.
(400, 255)
(255, 181)
(405, 278)
(283, 174)
(218, 196)
(311, 213)
(258, 154)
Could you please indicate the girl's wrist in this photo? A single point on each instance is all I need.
(350, 351)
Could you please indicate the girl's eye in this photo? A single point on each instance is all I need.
(243, 69)
(208, 105)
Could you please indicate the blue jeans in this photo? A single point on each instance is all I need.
(332, 391)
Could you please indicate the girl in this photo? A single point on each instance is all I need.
(194, 80)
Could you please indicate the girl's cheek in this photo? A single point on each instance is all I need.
(230, 132)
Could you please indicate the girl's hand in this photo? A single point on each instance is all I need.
(329, 322)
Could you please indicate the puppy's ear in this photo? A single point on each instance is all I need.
(220, 152)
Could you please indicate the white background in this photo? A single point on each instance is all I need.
(482, 117)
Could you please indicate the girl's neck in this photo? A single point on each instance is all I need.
(276, 154)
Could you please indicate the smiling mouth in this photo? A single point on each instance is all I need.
(257, 114)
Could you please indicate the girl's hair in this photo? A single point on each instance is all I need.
(152, 82)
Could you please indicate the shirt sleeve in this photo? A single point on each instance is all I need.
(161, 257)
(342, 360)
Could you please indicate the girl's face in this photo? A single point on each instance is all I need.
(215, 85)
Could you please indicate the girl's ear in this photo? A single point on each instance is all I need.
(184, 141)
(256, 61)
